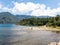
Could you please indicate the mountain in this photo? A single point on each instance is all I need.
(23, 16)
(43, 16)
(28, 16)
(6, 17)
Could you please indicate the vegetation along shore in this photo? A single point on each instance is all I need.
(49, 23)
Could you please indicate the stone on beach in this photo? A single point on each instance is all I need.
(53, 43)
(59, 43)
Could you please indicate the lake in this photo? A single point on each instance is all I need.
(11, 34)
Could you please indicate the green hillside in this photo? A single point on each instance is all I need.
(6, 17)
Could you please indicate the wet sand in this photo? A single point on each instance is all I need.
(45, 28)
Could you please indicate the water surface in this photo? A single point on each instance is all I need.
(11, 34)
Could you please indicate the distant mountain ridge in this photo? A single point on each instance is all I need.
(6, 17)
(23, 16)
(28, 16)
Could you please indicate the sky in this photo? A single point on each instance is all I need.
(31, 7)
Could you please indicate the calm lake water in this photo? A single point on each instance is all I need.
(11, 34)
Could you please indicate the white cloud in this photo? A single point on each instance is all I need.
(24, 7)
(36, 9)
(0, 6)
(31, 8)
(44, 12)
(4, 9)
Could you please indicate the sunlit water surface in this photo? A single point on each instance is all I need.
(11, 34)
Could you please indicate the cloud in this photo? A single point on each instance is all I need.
(4, 9)
(0, 6)
(34, 9)
(44, 12)
(24, 7)
(31, 8)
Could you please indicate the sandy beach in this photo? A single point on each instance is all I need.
(44, 28)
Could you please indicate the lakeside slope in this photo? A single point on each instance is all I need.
(44, 28)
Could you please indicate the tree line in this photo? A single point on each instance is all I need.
(52, 21)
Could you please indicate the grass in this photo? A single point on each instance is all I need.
(54, 28)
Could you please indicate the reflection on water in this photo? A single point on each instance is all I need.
(15, 35)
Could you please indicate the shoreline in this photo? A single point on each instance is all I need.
(44, 28)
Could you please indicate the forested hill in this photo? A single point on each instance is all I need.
(6, 17)
(52, 21)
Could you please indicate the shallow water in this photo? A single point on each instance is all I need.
(11, 34)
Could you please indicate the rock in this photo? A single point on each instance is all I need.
(53, 43)
(58, 43)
